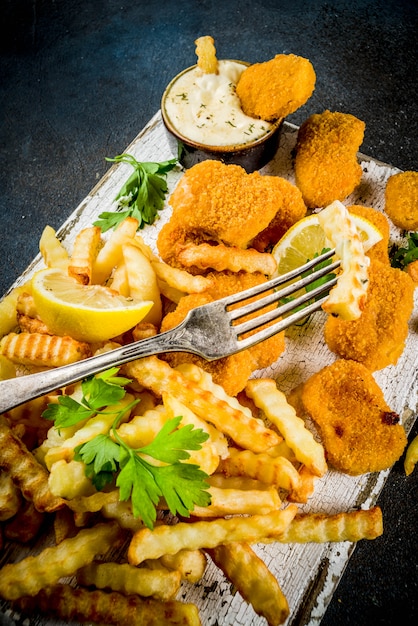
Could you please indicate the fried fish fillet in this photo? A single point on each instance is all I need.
(377, 338)
(401, 200)
(223, 207)
(380, 250)
(326, 167)
(359, 431)
(276, 88)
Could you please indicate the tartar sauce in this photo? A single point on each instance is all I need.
(205, 108)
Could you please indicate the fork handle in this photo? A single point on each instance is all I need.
(16, 391)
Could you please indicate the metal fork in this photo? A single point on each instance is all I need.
(211, 331)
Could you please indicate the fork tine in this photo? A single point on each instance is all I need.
(270, 298)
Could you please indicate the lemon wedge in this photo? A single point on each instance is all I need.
(91, 313)
(351, 235)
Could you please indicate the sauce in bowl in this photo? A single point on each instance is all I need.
(206, 109)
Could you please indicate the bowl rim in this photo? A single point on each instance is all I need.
(240, 147)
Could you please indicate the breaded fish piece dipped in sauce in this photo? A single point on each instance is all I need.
(359, 431)
(377, 338)
(326, 166)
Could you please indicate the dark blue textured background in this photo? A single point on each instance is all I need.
(79, 80)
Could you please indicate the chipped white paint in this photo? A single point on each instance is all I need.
(308, 574)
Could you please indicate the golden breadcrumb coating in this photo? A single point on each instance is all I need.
(359, 431)
(401, 200)
(377, 338)
(380, 250)
(326, 166)
(231, 372)
(276, 88)
(220, 204)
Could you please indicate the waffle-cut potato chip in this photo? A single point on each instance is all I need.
(142, 281)
(53, 252)
(346, 526)
(43, 350)
(164, 539)
(66, 603)
(277, 471)
(127, 579)
(8, 313)
(25, 525)
(155, 374)
(411, 456)
(27, 474)
(111, 253)
(86, 247)
(33, 573)
(253, 580)
(10, 497)
(273, 403)
(221, 258)
(206, 54)
(239, 502)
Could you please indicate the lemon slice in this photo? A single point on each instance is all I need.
(91, 313)
(351, 235)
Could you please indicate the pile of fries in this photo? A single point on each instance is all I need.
(104, 564)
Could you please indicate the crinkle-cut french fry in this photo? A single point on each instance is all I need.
(26, 305)
(67, 603)
(222, 257)
(273, 402)
(237, 482)
(111, 253)
(64, 525)
(411, 456)
(247, 432)
(239, 502)
(212, 449)
(8, 313)
(93, 503)
(31, 574)
(204, 379)
(53, 252)
(190, 563)
(142, 281)
(68, 479)
(181, 279)
(253, 580)
(282, 449)
(206, 54)
(169, 292)
(144, 331)
(128, 579)
(305, 489)
(25, 471)
(25, 525)
(121, 512)
(7, 368)
(119, 280)
(277, 471)
(32, 325)
(346, 526)
(43, 350)
(96, 425)
(164, 539)
(10, 497)
(142, 429)
(86, 247)
(30, 413)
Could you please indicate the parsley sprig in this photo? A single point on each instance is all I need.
(402, 256)
(107, 456)
(143, 194)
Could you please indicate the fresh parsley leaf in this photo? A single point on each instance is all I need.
(101, 451)
(171, 443)
(67, 412)
(141, 196)
(402, 256)
(181, 484)
(99, 393)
